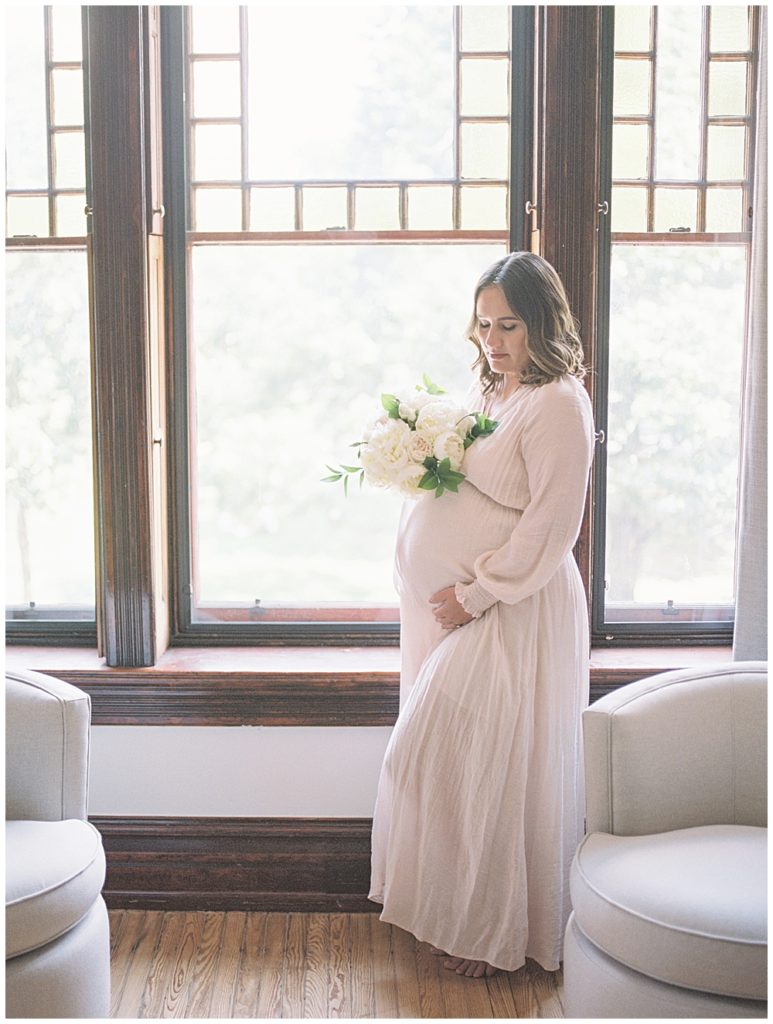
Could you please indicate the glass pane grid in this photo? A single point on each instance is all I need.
(223, 134)
(681, 120)
(53, 205)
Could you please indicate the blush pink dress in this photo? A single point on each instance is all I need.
(480, 801)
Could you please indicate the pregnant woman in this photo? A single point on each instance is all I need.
(480, 800)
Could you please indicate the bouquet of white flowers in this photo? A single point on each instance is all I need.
(417, 445)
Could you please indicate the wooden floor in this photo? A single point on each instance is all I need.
(234, 964)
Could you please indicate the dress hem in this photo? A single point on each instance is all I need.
(464, 956)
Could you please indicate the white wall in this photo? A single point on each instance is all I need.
(249, 771)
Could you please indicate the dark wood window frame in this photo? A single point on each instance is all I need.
(138, 586)
(652, 630)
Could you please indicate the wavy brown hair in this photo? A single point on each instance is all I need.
(535, 293)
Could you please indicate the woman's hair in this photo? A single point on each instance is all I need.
(534, 292)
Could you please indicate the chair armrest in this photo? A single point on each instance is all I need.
(677, 750)
(47, 747)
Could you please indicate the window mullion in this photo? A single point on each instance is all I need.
(119, 267)
(568, 200)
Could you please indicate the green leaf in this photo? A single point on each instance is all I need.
(330, 479)
(429, 463)
(392, 405)
(483, 426)
(430, 388)
(362, 477)
(346, 486)
(429, 481)
(352, 469)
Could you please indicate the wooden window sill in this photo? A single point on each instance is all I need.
(291, 685)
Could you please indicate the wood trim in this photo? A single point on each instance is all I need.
(290, 687)
(240, 698)
(267, 864)
(362, 700)
(568, 173)
(118, 265)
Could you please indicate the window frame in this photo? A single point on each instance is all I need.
(53, 625)
(606, 633)
(185, 630)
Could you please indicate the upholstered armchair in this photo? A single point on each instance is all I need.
(669, 885)
(57, 932)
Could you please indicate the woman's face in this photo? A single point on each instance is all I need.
(502, 334)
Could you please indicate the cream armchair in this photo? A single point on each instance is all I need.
(669, 884)
(57, 932)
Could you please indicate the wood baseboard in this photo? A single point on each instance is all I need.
(269, 864)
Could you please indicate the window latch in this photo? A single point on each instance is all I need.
(600, 436)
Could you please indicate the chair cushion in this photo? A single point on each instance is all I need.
(54, 872)
(687, 907)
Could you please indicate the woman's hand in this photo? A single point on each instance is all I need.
(448, 611)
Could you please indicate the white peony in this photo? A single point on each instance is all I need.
(407, 481)
(449, 446)
(376, 472)
(464, 426)
(420, 446)
(408, 411)
(436, 418)
(390, 442)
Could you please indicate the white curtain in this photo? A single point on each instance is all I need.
(751, 607)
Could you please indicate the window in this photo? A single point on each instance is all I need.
(294, 266)
(321, 270)
(680, 234)
(49, 519)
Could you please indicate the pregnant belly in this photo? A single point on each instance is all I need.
(439, 539)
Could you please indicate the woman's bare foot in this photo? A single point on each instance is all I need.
(470, 968)
(437, 952)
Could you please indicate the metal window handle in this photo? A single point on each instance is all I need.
(603, 208)
(530, 207)
(159, 209)
(600, 436)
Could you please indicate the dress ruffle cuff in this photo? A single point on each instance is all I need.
(474, 598)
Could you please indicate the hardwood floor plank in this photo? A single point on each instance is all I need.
(363, 1000)
(430, 988)
(507, 994)
(250, 969)
(201, 984)
(544, 985)
(228, 963)
(272, 963)
(116, 919)
(338, 998)
(408, 992)
(122, 948)
(386, 1003)
(165, 994)
(138, 944)
(295, 954)
(316, 967)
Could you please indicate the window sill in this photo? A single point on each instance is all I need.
(309, 686)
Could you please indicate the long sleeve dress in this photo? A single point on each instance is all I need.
(480, 799)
